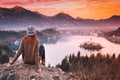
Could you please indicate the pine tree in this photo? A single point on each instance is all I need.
(70, 59)
(78, 56)
(65, 65)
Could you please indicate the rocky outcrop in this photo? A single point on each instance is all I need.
(5, 53)
(20, 71)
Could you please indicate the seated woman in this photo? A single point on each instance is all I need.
(29, 48)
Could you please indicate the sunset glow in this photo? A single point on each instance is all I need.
(92, 9)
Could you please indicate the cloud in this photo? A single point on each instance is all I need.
(14, 2)
(28, 2)
(99, 1)
(51, 2)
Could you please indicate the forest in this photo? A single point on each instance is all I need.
(93, 67)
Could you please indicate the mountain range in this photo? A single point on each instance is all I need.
(20, 17)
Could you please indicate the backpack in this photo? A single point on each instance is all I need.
(42, 52)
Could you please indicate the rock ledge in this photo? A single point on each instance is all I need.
(28, 72)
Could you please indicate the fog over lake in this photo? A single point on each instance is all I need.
(70, 44)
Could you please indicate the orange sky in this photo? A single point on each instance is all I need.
(92, 9)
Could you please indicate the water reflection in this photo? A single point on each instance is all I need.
(70, 44)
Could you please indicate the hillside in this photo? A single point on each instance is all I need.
(94, 67)
(21, 17)
(115, 32)
(49, 35)
(113, 36)
(18, 16)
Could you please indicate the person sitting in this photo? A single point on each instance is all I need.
(29, 48)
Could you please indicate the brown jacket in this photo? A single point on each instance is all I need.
(29, 48)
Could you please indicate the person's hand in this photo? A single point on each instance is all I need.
(39, 70)
(8, 64)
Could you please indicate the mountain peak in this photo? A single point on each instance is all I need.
(63, 15)
(79, 18)
(18, 8)
(115, 17)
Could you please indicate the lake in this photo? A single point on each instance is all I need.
(70, 44)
